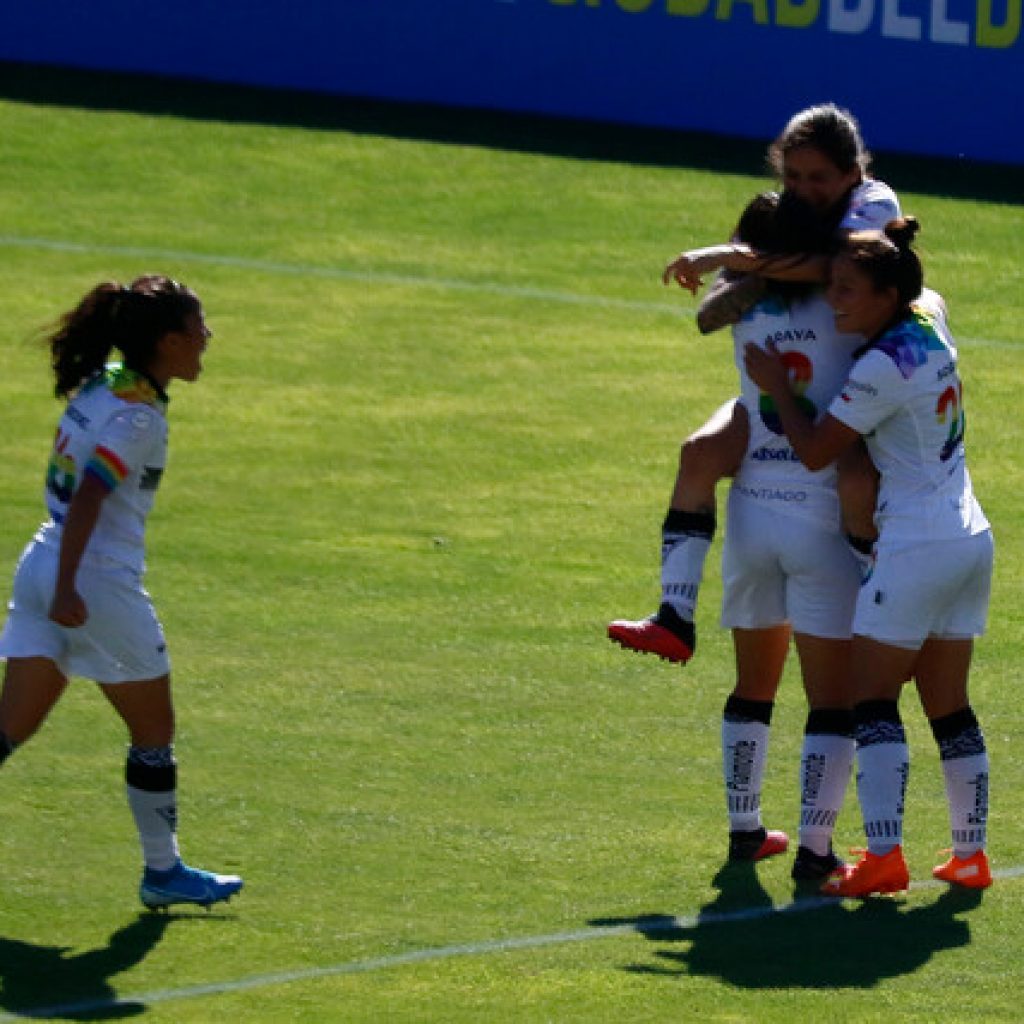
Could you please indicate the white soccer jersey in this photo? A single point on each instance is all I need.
(114, 429)
(872, 205)
(905, 396)
(818, 360)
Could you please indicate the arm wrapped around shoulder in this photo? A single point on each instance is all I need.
(729, 297)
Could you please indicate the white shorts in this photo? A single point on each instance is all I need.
(932, 588)
(777, 568)
(122, 640)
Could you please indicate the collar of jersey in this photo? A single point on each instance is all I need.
(133, 386)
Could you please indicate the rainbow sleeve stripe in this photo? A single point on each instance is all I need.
(106, 467)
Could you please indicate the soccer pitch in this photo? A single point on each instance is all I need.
(427, 462)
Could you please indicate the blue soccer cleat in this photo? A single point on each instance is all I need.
(182, 884)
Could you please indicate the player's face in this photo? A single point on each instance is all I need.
(858, 306)
(185, 348)
(809, 174)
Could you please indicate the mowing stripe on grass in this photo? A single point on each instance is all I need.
(345, 274)
(649, 927)
(382, 277)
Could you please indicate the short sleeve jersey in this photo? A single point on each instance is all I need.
(872, 205)
(818, 360)
(905, 396)
(114, 429)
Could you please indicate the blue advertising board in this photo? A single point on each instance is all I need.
(928, 77)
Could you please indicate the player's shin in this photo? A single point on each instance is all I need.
(883, 766)
(826, 763)
(965, 769)
(151, 776)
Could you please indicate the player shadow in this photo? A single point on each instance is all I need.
(53, 982)
(814, 942)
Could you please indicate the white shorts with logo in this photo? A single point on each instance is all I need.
(779, 568)
(122, 640)
(931, 588)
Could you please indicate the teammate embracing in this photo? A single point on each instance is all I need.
(928, 595)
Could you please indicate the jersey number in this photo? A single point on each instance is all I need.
(60, 474)
(950, 411)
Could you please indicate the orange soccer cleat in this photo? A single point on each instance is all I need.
(971, 872)
(873, 873)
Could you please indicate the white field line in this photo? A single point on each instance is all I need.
(347, 274)
(684, 310)
(649, 929)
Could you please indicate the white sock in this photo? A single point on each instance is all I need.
(883, 766)
(965, 771)
(156, 818)
(826, 764)
(966, 781)
(686, 540)
(744, 755)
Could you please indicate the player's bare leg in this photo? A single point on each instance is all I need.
(707, 456)
(151, 774)
(32, 686)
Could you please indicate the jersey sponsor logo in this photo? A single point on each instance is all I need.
(77, 417)
(773, 494)
(852, 384)
(150, 478)
(791, 335)
(765, 454)
(800, 371)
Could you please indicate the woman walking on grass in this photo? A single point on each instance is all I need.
(78, 606)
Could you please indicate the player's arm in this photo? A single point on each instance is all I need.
(68, 608)
(688, 268)
(816, 443)
(741, 281)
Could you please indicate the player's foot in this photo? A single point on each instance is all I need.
(971, 872)
(886, 872)
(809, 866)
(182, 884)
(665, 634)
(757, 844)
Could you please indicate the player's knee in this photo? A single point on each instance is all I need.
(151, 769)
(706, 458)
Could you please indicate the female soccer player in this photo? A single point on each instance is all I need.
(787, 571)
(928, 595)
(78, 606)
(822, 162)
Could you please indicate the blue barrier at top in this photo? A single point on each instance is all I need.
(931, 77)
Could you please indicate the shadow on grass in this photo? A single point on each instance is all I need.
(574, 138)
(50, 981)
(812, 943)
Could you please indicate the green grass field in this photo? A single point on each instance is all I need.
(427, 461)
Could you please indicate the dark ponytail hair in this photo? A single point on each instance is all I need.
(131, 318)
(888, 259)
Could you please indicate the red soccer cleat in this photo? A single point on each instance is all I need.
(665, 634)
(757, 844)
